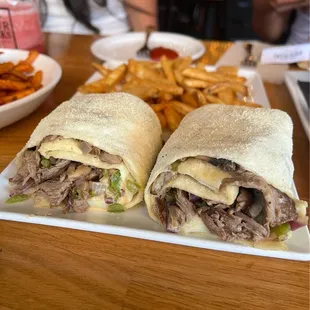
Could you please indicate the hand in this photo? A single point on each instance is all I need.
(283, 6)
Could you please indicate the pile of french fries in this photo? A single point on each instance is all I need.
(20, 80)
(173, 88)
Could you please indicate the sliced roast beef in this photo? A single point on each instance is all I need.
(231, 227)
(55, 191)
(76, 201)
(279, 208)
(54, 171)
(175, 218)
(160, 181)
(110, 158)
(224, 164)
(187, 207)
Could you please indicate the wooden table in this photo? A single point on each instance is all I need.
(55, 268)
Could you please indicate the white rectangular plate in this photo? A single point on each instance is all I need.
(291, 81)
(135, 222)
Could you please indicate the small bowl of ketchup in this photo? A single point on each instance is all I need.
(158, 52)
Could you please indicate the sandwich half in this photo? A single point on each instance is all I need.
(92, 151)
(227, 172)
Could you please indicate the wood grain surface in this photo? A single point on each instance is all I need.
(55, 268)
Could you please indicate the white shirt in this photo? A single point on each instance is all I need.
(300, 30)
(60, 20)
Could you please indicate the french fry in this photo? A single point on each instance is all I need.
(173, 118)
(226, 95)
(254, 105)
(13, 85)
(102, 70)
(215, 88)
(199, 97)
(179, 78)
(16, 95)
(195, 83)
(98, 86)
(200, 66)
(145, 73)
(20, 75)
(115, 75)
(142, 92)
(3, 93)
(162, 119)
(201, 75)
(166, 65)
(24, 66)
(213, 99)
(159, 106)
(163, 87)
(239, 88)
(229, 70)
(6, 67)
(36, 80)
(129, 77)
(32, 56)
(182, 64)
(165, 96)
(181, 107)
(189, 99)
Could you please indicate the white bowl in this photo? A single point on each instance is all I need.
(18, 109)
(123, 47)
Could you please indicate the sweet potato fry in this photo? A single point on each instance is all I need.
(32, 56)
(102, 70)
(189, 99)
(24, 66)
(36, 80)
(3, 93)
(195, 83)
(6, 67)
(166, 65)
(181, 107)
(162, 119)
(173, 118)
(13, 85)
(226, 95)
(16, 95)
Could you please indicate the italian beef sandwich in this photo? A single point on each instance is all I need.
(91, 151)
(227, 172)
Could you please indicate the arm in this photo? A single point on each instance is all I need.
(269, 23)
(141, 13)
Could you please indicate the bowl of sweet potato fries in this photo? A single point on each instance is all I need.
(26, 79)
(173, 88)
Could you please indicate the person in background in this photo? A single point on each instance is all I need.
(105, 17)
(271, 19)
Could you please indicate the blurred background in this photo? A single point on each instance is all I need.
(227, 20)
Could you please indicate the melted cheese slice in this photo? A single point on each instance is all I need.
(203, 172)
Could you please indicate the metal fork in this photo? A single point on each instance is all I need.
(249, 59)
(144, 51)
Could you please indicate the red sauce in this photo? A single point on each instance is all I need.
(157, 52)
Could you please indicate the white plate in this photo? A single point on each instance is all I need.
(135, 222)
(291, 80)
(16, 110)
(122, 47)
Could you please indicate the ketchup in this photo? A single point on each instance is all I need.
(157, 52)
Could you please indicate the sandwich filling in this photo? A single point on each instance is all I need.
(231, 202)
(73, 174)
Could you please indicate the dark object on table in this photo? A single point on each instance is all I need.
(305, 88)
